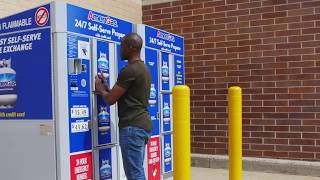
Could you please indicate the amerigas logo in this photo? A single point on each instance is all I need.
(165, 36)
(102, 19)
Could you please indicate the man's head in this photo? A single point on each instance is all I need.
(131, 45)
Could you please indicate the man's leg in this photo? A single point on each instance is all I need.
(132, 143)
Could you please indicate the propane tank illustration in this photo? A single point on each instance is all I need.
(153, 94)
(8, 85)
(103, 65)
(166, 112)
(165, 71)
(104, 117)
(105, 170)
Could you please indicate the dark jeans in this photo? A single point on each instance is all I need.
(133, 141)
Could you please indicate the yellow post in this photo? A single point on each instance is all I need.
(181, 133)
(235, 133)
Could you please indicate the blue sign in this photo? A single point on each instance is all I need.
(178, 70)
(26, 75)
(105, 164)
(167, 153)
(166, 113)
(33, 18)
(162, 40)
(95, 24)
(121, 63)
(78, 52)
(151, 62)
(104, 118)
(165, 71)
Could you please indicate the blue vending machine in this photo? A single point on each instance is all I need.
(163, 53)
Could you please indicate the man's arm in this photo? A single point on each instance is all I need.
(109, 96)
(115, 93)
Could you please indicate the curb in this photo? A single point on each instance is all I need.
(292, 167)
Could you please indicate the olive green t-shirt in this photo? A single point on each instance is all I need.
(133, 105)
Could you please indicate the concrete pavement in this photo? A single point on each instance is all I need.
(222, 174)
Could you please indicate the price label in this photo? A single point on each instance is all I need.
(79, 127)
(79, 112)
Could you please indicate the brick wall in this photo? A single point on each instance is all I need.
(271, 48)
(125, 9)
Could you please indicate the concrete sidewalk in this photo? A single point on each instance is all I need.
(222, 174)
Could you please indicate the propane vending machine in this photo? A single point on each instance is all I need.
(53, 125)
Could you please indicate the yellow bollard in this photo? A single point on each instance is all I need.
(181, 133)
(235, 133)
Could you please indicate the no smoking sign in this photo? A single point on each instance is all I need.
(42, 16)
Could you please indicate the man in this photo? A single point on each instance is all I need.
(131, 91)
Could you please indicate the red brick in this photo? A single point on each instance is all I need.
(301, 25)
(250, 30)
(161, 5)
(215, 15)
(275, 103)
(302, 115)
(171, 9)
(225, 8)
(302, 128)
(289, 96)
(262, 147)
(311, 96)
(275, 141)
(311, 135)
(276, 65)
(273, 2)
(238, 37)
(262, 47)
(276, 27)
(301, 64)
(300, 12)
(275, 154)
(287, 20)
(276, 115)
(193, 18)
(314, 122)
(311, 109)
(288, 109)
(238, 25)
(311, 148)
(301, 51)
(151, 12)
(238, 12)
(146, 18)
(192, 6)
(226, 56)
(300, 90)
(275, 53)
(288, 45)
(263, 84)
(287, 148)
(288, 122)
(287, 7)
(225, 20)
(226, 32)
(250, 54)
(263, 97)
(214, 27)
(249, 17)
(226, 44)
(311, 44)
(263, 109)
(238, 49)
(177, 3)
(288, 135)
(301, 38)
(250, 66)
(249, 5)
(262, 22)
(171, 21)
(161, 16)
(288, 33)
(274, 15)
(302, 102)
(182, 14)
(204, 34)
(310, 4)
(301, 155)
(146, 7)
(215, 50)
(301, 142)
(261, 10)
(192, 29)
(274, 40)
(261, 35)
(310, 30)
(214, 3)
(252, 153)
(263, 134)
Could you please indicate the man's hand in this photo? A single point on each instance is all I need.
(101, 84)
